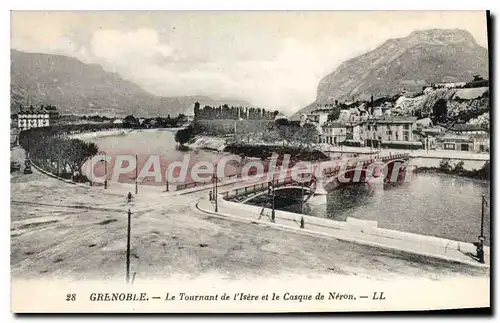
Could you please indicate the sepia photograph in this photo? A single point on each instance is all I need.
(249, 161)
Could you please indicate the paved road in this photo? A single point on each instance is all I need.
(67, 231)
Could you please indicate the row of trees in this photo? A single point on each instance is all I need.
(235, 113)
(285, 131)
(445, 166)
(49, 148)
(159, 122)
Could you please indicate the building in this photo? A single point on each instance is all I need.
(424, 123)
(390, 131)
(449, 85)
(189, 118)
(333, 133)
(470, 129)
(455, 142)
(317, 117)
(386, 111)
(466, 137)
(478, 137)
(345, 115)
(378, 112)
(36, 116)
(481, 143)
(354, 133)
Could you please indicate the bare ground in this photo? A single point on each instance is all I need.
(76, 232)
(67, 231)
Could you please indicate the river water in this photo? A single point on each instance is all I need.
(430, 204)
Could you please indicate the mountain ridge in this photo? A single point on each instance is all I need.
(79, 88)
(407, 63)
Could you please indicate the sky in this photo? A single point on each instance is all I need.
(272, 59)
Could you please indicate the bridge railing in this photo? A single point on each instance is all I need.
(220, 179)
(351, 164)
(253, 188)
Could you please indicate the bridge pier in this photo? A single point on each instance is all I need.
(320, 195)
(370, 217)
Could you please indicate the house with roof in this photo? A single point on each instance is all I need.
(333, 133)
(456, 142)
(354, 133)
(478, 135)
(36, 116)
(469, 129)
(391, 132)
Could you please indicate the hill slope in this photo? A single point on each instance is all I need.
(423, 57)
(78, 88)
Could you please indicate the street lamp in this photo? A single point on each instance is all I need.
(215, 188)
(272, 211)
(480, 248)
(136, 168)
(127, 264)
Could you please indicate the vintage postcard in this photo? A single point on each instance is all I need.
(249, 161)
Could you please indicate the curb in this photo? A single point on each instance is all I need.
(41, 170)
(332, 236)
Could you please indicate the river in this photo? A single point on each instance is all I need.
(430, 204)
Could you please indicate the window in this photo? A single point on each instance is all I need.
(449, 146)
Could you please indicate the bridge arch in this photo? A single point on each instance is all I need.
(281, 188)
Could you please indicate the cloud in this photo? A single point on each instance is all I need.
(273, 60)
(286, 81)
(121, 47)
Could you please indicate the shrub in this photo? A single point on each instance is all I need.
(444, 164)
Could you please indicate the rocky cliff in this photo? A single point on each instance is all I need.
(423, 57)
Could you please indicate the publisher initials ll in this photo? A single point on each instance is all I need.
(378, 296)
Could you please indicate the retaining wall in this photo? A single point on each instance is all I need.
(353, 225)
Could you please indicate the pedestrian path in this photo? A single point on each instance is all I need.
(354, 231)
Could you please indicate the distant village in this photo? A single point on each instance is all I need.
(389, 123)
(427, 120)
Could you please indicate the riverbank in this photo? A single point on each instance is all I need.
(207, 143)
(482, 174)
(353, 230)
(169, 238)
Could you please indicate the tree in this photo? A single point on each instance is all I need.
(130, 121)
(478, 77)
(439, 110)
(281, 122)
(335, 115)
(78, 152)
(309, 134)
(184, 135)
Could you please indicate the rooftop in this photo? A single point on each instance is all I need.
(470, 127)
(452, 137)
(397, 119)
(333, 125)
(33, 109)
